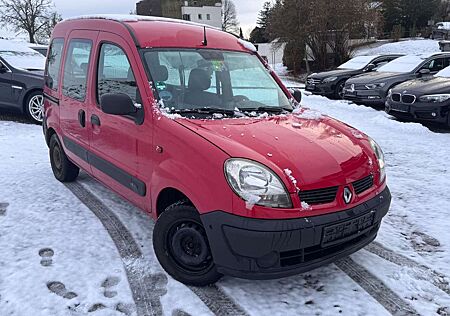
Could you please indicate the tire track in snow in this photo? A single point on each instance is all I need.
(375, 288)
(422, 272)
(217, 301)
(147, 289)
(145, 295)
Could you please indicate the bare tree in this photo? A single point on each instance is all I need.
(229, 17)
(31, 16)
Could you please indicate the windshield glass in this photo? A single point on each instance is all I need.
(356, 63)
(402, 65)
(24, 60)
(198, 79)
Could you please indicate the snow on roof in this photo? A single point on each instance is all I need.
(13, 46)
(135, 18)
(247, 45)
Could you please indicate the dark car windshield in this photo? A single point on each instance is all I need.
(216, 80)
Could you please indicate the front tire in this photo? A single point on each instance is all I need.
(63, 169)
(34, 107)
(182, 248)
(339, 91)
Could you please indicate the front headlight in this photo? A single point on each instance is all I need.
(380, 157)
(373, 86)
(256, 184)
(435, 98)
(329, 79)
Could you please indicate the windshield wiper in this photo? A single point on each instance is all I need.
(270, 109)
(205, 110)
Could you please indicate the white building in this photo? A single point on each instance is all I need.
(210, 15)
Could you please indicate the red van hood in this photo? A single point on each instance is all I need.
(319, 151)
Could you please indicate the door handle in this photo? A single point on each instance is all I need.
(95, 120)
(82, 118)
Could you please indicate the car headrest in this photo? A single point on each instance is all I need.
(160, 73)
(199, 79)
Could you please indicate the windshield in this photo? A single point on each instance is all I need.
(403, 64)
(357, 63)
(31, 60)
(225, 81)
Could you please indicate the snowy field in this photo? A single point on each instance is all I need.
(56, 257)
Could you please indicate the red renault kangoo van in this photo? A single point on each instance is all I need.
(191, 125)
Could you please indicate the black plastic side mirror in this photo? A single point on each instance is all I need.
(297, 94)
(3, 69)
(117, 104)
(370, 67)
(424, 72)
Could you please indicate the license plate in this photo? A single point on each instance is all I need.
(352, 228)
(310, 87)
(400, 108)
(351, 93)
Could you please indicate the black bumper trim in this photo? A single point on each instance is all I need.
(265, 249)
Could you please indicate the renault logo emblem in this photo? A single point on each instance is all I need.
(347, 195)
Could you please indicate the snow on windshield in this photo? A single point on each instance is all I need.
(444, 73)
(357, 63)
(20, 56)
(402, 64)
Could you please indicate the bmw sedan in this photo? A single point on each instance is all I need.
(331, 83)
(372, 88)
(21, 79)
(422, 99)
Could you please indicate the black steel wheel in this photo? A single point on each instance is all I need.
(182, 248)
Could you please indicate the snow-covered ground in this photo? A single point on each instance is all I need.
(56, 258)
(417, 46)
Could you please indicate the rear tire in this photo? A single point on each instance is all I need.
(34, 107)
(182, 247)
(63, 169)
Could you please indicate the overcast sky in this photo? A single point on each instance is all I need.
(247, 10)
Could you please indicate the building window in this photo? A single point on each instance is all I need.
(200, 17)
(186, 17)
(208, 17)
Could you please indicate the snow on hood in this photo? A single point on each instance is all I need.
(357, 63)
(21, 56)
(310, 146)
(403, 64)
(443, 25)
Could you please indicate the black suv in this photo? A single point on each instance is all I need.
(372, 88)
(331, 83)
(21, 79)
(425, 99)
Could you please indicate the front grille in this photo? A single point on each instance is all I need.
(313, 81)
(408, 98)
(396, 97)
(363, 185)
(320, 196)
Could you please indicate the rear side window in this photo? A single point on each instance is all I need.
(54, 63)
(76, 69)
(115, 74)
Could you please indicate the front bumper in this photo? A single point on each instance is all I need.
(377, 97)
(266, 249)
(419, 111)
(325, 89)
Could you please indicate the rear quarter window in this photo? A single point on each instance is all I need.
(54, 63)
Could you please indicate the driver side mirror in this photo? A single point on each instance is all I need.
(423, 72)
(117, 104)
(297, 94)
(370, 67)
(3, 69)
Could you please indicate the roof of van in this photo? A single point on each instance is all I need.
(155, 32)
